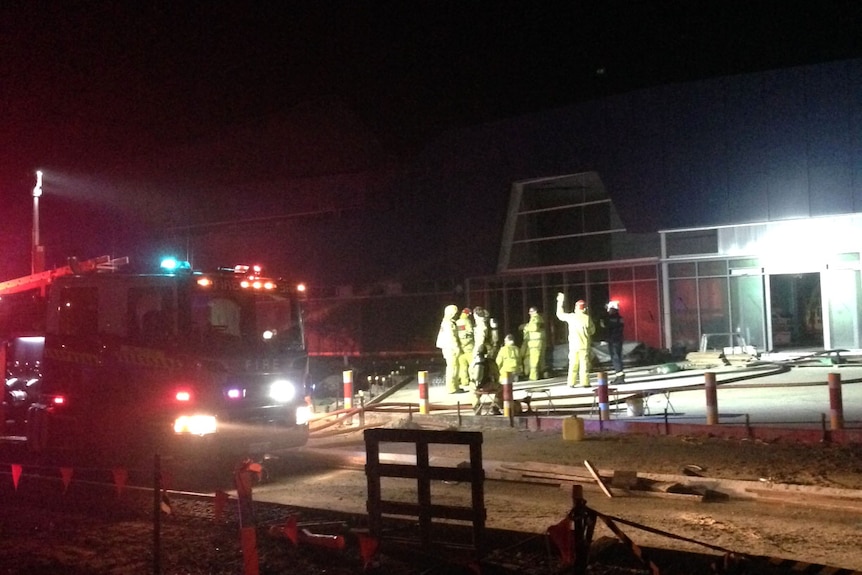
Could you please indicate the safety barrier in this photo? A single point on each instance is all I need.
(572, 538)
(424, 473)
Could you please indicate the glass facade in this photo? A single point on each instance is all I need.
(774, 297)
(776, 285)
(635, 287)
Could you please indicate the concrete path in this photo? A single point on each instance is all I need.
(766, 393)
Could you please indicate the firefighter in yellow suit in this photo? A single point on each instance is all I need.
(581, 330)
(509, 363)
(464, 327)
(509, 358)
(533, 348)
(450, 346)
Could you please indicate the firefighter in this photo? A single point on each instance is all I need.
(509, 358)
(495, 337)
(581, 330)
(533, 346)
(615, 327)
(481, 347)
(450, 346)
(464, 327)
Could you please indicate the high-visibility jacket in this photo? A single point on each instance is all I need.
(465, 333)
(534, 332)
(509, 359)
(581, 328)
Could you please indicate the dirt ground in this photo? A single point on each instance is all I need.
(810, 528)
(817, 530)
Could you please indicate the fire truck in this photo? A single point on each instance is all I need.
(178, 362)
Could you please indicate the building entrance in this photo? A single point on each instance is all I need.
(797, 310)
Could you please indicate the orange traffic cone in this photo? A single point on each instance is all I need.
(321, 540)
(287, 530)
(561, 535)
(368, 547)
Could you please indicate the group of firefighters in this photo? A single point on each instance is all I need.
(476, 363)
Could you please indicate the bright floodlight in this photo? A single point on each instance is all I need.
(37, 191)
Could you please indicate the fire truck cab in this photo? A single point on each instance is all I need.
(180, 362)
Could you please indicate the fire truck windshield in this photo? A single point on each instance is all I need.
(246, 321)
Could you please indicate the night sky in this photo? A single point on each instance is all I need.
(124, 105)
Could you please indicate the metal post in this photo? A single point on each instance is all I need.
(711, 398)
(602, 391)
(508, 403)
(348, 388)
(583, 526)
(157, 514)
(38, 254)
(243, 479)
(423, 393)
(836, 404)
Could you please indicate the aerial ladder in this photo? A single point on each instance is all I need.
(42, 280)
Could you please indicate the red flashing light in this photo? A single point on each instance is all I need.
(58, 400)
(183, 395)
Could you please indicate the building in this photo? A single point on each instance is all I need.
(723, 206)
(731, 205)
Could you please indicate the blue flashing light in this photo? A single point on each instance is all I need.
(172, 264)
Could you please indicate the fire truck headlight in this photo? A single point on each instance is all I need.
(303, 414)
(195, 424)
(282, 391)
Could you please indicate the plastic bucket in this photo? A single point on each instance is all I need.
(635, 406)
(573, 428)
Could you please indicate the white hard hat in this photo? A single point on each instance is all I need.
(613, 305)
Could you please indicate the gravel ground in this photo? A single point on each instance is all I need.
(88, 530)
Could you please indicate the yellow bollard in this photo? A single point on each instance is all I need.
(424, 407)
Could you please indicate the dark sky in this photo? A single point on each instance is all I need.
(95, 88)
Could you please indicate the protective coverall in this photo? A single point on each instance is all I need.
(509, 359)
(484, 375)
(581, 330)
(533, 348)
(481, 345)
(450, 347)
(464, 326)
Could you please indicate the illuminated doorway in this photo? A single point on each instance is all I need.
(797, 310)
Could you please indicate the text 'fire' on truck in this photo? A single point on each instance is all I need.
(181, 362)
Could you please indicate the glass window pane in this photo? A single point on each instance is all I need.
(620, 274)
(845, 303)
(714, 308)
(685, 331)
(748, 309)
(646, 272)
(598, 276)
(692, 243)
(714, 268)
(681, 270)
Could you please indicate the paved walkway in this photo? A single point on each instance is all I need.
(766, 393)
